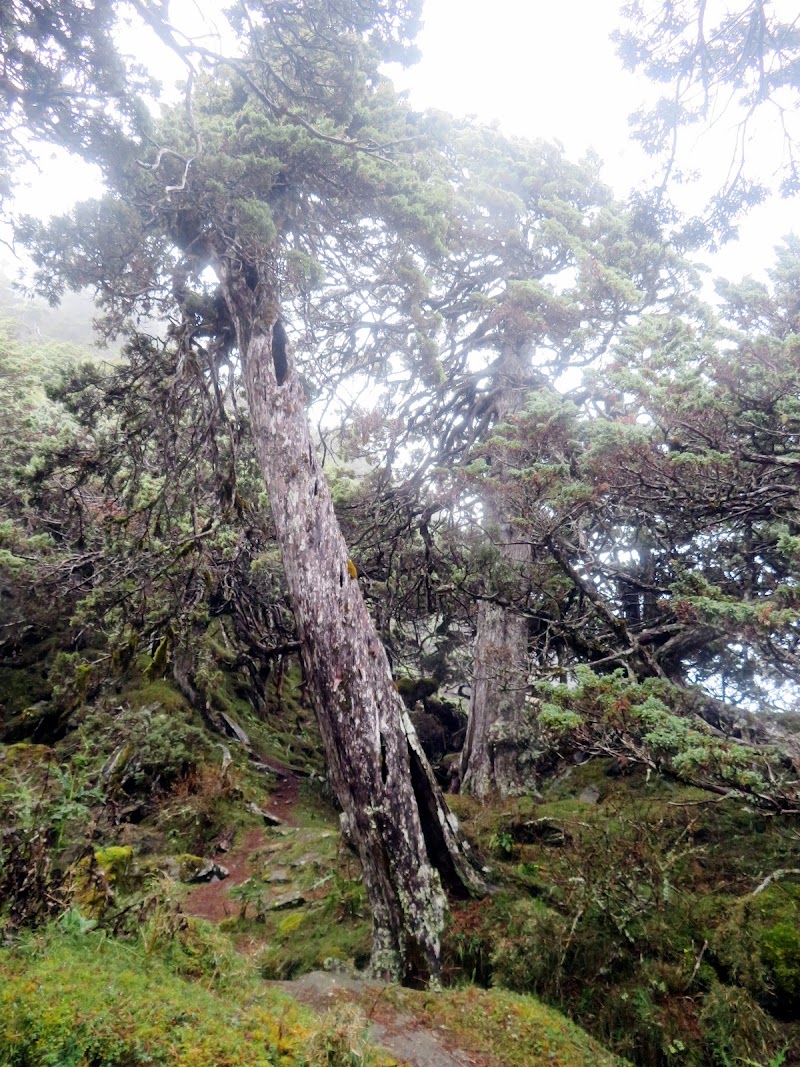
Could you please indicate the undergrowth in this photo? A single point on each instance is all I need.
(640, 906)
(72, 999)
(630, 903)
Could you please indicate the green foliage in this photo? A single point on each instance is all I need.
(614, 714)
(557, 720)
(735, 1027)
(153, 734)
(780, 946)
(643, 925)
(502, 844)
(45, 803)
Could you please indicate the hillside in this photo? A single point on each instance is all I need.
(653, 913)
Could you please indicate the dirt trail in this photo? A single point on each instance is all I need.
(212, 901)
(401, 1035)
(283, 798)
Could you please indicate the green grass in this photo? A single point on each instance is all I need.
(75, 1000)
(517, 1030)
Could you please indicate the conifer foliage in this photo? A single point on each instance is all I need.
(290, 226)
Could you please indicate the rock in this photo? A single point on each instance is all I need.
(199, 869)
(286, 901)
(41, 722)
(335, 965)
(619, 767)
(25, 755)
(267, 816)
(227, 758)
(304, 861)
(234, 729)
(222, 842)
(589, 795)
(277, 876)
(541, 832)
(266, 769)
(143, 839)
(414, 690)
(211, 872)
(440, 726)
(171, 868)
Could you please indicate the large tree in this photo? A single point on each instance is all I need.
(291, 165)
(660, 514)
(553, 270)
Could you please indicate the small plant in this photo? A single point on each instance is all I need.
(252, 892)
(502, 844)
(74, 923)
(777, 1060)
(528, 870)
(347, 898)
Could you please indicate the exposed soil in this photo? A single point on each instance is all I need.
(403, 1036)
(212, 901)
(283, 798)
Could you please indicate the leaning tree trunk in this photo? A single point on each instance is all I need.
(393, 811)
(499, 751)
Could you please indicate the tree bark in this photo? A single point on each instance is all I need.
(498, 754)
(408, 842)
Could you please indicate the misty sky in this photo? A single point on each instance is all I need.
(542, 70)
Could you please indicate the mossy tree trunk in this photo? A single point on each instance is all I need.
(497, 747)
(409, 843)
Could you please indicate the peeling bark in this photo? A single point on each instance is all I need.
(408, 842)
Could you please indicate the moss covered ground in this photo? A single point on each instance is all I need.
(646, 911)
(637, 905)
(75, 999)
(517, 1030)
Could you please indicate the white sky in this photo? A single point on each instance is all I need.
(541, 69)
(549, 70)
